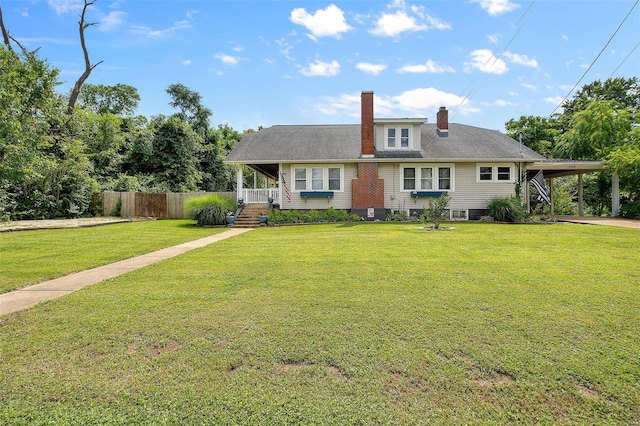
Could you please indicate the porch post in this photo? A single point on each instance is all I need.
(615, 195)
(580, 195)
(239, 179)
(551, 212)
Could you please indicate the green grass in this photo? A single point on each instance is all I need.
(29, 257)
(344, 324)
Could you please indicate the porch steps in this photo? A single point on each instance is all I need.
(248, 217)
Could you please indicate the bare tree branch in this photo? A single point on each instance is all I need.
(5, 34)
(82, 25)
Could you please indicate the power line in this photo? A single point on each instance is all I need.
(596, 59)
(495, 58)
(624, 60)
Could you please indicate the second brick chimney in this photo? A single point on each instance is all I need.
(366, 117)
(443, 119)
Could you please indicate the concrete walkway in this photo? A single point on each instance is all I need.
(605, 221)
(26, 297)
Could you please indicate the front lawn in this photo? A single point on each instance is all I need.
(344, 324)
(29, 257)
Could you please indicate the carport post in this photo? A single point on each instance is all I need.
(615, 195)
(551, 213)
(580, 198)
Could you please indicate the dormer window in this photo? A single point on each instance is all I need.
(398, 137)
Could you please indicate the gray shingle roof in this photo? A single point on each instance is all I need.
(299, 143)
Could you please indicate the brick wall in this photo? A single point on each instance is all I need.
(367, 189)
(366, 120)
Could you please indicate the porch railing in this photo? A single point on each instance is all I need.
(260, 196)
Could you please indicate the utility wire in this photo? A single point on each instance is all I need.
(467, 98)
(624, 60)
(596, 59)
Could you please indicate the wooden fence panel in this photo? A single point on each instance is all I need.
(150, 205)
(163, 206)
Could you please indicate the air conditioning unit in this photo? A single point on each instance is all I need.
(459, 215)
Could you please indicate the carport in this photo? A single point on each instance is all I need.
(557, 168)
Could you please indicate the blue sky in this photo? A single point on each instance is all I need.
(260, 63)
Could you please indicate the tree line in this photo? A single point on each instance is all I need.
(58, 150)
(600, 122)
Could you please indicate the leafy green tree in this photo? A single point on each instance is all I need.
(173, 161)
(189, 102)
(119, 99)
(537, 133)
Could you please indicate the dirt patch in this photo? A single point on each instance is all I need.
(334, 372)
(30, 225)
(588, 393)
(441, 228)
(495, 378)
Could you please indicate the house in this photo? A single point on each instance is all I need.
(385, 164)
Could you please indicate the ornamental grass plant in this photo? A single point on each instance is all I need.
(209, 209)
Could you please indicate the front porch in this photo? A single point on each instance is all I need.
(272, 194)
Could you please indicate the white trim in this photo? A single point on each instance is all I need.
(435, 176)
(308, 178)
(494, 172)
(398, 138)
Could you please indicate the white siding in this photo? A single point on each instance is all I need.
(340, 200)
(468, 194)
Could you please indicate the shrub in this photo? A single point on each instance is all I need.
(311, 216)
(436, 211)
(397, 216)
(209, 209)
(506, 209)
(630, 209)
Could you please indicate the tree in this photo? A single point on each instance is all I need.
(436, 211)
(537, 133)
(120, 99)
(189, 102)
(174, 161)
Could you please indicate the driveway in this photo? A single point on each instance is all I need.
(605, 221)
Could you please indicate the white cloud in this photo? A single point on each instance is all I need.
(484, 60)
(321, 69)
(157, 34)
(112, 21)
(238, 48)
(227, 59)
(493, 38)
(529, 86)
(502, 103)
(521, 59)
(406, 18)
(285, 48)
(565, 37)
(390, 25)
(428, 67)
(421, 102)
(327, 22)
(373, 69)
(25, 12)
(554, 100)
(497, 7)
(65, 6)
(186, 62)
(426, 101)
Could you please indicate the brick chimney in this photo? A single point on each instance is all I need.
(367, 189)
(366, 117)
(443, 119)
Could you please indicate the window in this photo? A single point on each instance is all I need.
(398, 137)
(404, 137)
(444, 177)
(486, 173)
(391, 138)
(427, 178)
(409, 178)
(495, 173)
(301, 179)
(334, 179)
(318, 178)
(504, 173)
